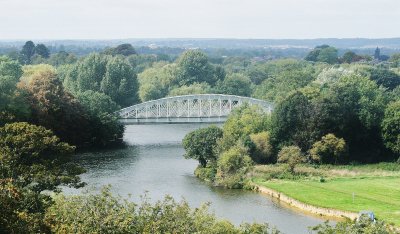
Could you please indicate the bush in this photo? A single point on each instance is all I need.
(201, 144)
(364, 226)
(329, 149)
(105, 213)
(292, 156)
(232, 166)
(262, 150)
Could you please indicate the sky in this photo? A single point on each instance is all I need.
(250, 19)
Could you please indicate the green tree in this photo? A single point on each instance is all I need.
(261, 149)
(32, 156)
(313, 54)
(195, 88)
(329, 149)
(291, 155)
(234, 84)
(120, 82)
(328, 55)
(385, 77)
(123, 49)
(42, 51)
(28, 50)
(13, 104)
(110, 75)
(290, 122)
(193, 66)
(105, 213)
(242, 122)
(391, 127)
(363, 225)
(10, 67)
(360, 106)
(284, 76)
(32, 160)
(395, 60)
(104, 125)
(232, 166)
(201, 144)
(89, 73)
(350, 57)
(61, 58)
(155, 82)
(323, 53)
(53, 107)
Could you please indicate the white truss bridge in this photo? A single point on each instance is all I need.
(187, 109)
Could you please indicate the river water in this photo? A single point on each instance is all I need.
(154, 163)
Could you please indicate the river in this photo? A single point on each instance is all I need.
(154, 163)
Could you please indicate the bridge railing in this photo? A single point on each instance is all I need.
(201, 105)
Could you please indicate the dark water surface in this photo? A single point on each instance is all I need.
(153, 163)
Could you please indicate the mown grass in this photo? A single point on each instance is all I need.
(375, 187)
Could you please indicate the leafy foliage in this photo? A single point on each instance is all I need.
(391, 127)
(112, 76)
(123, 49)
(32, 160)
(291, 155)
(363, 226)
(105, 213)
(32, 155)
(201, 144)
(232, 166)
(329, 149)
(323, 53)
(235, 84)
(54, 108)
(261, 149)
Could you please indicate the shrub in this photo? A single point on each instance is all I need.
(292, 156)
(232, 167)
(364, 225)
(105, 213)
(262, 150)
(329, 149)
(201, 144)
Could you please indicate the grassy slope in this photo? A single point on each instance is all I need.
(379, 194)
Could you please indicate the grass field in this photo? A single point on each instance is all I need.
(380, 194)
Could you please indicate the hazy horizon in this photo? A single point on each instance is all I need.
(195, 19)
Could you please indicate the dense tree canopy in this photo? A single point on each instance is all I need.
(28, 50)
(234, 84)
(112, 76)
(42, 51)
(123, 49)
(201, 144)
(323, 53)
(55, 108)
(193, 66)
(391, 127)
(32, 160)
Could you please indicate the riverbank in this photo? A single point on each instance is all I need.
(329, 213)
(337, 191)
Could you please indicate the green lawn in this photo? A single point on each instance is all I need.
(379, 194)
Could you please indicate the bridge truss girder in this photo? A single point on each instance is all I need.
(190, 106)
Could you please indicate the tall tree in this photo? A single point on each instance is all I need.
(42, 50)
(28, 50)
(56, 109)
(123, 49)
(193, 66)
